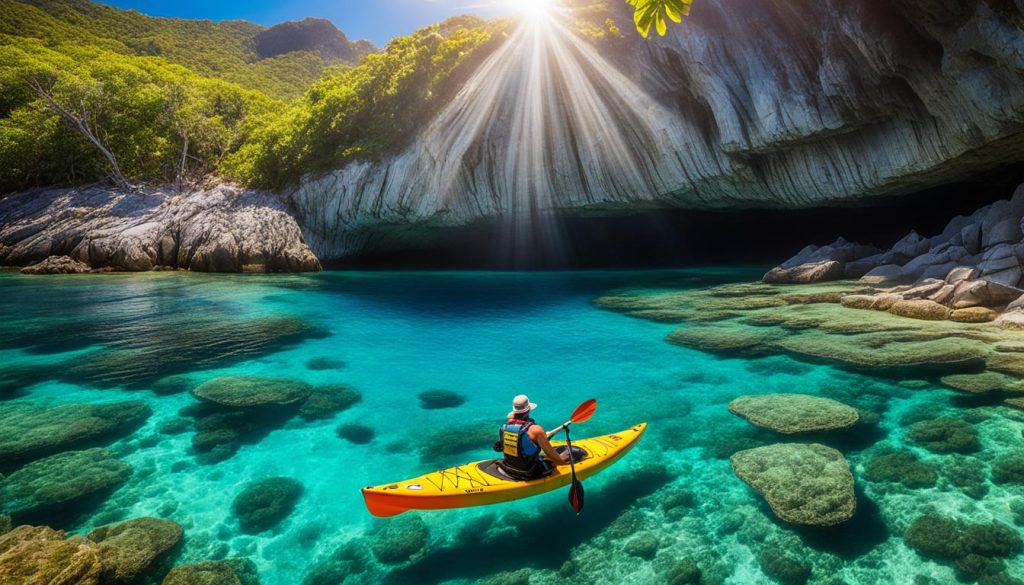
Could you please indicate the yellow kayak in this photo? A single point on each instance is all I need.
(482, 482)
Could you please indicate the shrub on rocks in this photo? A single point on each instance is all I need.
(944, 435)
(263, 504)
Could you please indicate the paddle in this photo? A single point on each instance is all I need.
(582, 413)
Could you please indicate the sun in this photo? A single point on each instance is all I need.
(535, 8)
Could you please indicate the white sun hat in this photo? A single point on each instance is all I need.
(521, 404)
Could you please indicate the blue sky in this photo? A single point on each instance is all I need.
(376, 20)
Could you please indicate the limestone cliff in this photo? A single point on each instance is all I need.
(223, 229)
(753, 103)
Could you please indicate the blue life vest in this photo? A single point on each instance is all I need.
(521, 454)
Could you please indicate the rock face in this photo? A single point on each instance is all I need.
(751, 104)
(223, 229)
(791, 414)
(804, 484)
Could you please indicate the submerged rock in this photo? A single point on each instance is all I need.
(263, 504)
(29, 432)
(39, 555)
(807, 484)
(974, 550)
(319, 364)
(226, 572)
(400, 539)
(901, 467)
(728, 339)
(794, 413)
(1008, 468)
(356, 433)
(57, 265)
(438, 399)
(984, 383)
(250, 391)
(61, 484)
(326, 401)
(944, 435)
(782, 567)
(134, 548)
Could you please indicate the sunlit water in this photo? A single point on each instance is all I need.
(487, 336)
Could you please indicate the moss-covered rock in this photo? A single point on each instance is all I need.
(438, 399)
(169, 385)
(725, 339)
(226, 572)
(1008, 468)
(38, 555)
(447, 445)
(220, 432)
(400, 540)
(807, 484)
(61, 484)
(132, 549)
(520, 577)
(794, 413)
(920, 309)
(327, 401)
(967, 474)
(345, 562)
(944, 435)
(251, 391)
(644, 545)
(683, 572)
(263, 504)
(984, 383)
(901, 467)
(5, 524)
(355, 433)
(30, 432)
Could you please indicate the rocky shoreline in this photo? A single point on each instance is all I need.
(219, 229)
(972, 272)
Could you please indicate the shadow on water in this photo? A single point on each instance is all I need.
(557, 529)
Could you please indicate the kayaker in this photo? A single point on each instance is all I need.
(525, 444)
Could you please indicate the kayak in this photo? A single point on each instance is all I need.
(482, 482)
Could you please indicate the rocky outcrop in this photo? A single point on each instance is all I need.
(134, 548)
(37, 555)
(746, 104)
(972, 272)
(222, 229)
(804, 484)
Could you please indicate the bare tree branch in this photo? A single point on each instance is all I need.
(85, 127)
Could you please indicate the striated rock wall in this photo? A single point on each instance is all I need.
(222, 229)
(759, 103)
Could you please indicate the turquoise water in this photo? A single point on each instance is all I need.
(486, 336)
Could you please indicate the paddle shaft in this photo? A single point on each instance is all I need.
(559, 428)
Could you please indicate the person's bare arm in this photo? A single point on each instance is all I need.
(538, 436)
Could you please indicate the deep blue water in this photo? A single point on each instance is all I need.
(487, 336)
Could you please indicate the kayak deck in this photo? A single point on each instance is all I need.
(472, 484)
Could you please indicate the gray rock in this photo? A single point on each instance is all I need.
(806, 273)
(971, 236)
(57, 265)
(960, 274)
(1006, 231)
(885, 274)
(223, 229)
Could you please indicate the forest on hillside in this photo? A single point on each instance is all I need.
(89, 92)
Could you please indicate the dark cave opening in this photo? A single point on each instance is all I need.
(678, 237)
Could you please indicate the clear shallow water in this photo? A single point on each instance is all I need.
(486, 336)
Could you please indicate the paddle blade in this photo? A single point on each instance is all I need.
(584, 411)
(576, 496)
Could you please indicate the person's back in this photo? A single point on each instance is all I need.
(524, 443)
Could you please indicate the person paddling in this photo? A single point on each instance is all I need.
(525, 444)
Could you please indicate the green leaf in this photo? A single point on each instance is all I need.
(648, 13)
